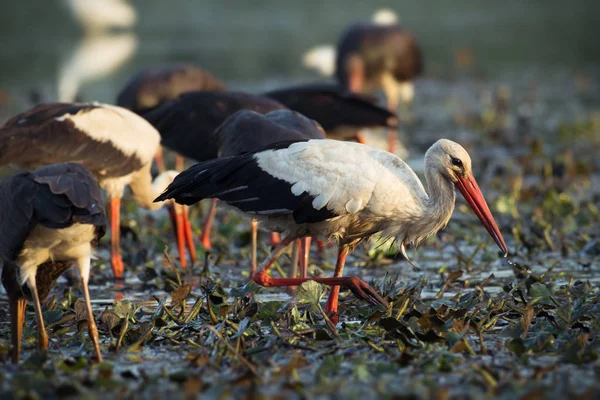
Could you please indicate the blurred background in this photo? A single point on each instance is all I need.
(54, 50)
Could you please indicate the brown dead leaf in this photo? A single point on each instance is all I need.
(452, 276)
(181, 293)
(526, 320)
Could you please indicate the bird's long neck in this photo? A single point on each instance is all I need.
(143, 189)
(440, 204)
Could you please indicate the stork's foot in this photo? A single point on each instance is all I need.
(365, 292)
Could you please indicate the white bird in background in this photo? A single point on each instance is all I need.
(101, 50)
(95, 57)
(101, 15)
(338, 190)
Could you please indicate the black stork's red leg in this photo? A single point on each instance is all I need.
(253, 243)
(360, 288)
(208, 223)
(187, 230)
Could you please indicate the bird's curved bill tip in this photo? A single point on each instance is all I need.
(470, 190)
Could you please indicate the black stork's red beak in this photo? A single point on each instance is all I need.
(470, 190)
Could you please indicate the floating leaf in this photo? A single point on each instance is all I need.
(248, 288)
(80, 310)
(122, 308)
(310, 292)
(110, 320)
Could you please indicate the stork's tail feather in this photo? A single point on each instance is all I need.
(204, 180)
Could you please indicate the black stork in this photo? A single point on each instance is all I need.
(187, 126)
(246, 131)
(155, 86)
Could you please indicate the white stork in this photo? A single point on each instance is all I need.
(115, 144)
(338, 190)
(52, 214)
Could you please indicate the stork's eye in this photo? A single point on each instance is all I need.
(456, 162)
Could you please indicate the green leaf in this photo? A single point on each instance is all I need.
(310, 292)
(122, 308)
(250, 287)
(52, 316)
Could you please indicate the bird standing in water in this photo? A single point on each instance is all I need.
(338, 190)
(53, 214)
(115, 144)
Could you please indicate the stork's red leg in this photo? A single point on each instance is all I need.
(116, 261)
(187, 230)
(275, 239)
(296, 249)
(332, 301)
(320, 247)
(304, 255)
(358, 287)
(159, 160)
(253, 240)
(179, 228)
(17, 320)
(208, 222)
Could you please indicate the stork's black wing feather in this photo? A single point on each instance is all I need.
(55, 196)
(240, 182)
(246, 130)
(187, 124)
(334, 107)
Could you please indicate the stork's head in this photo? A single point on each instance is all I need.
(452, 161)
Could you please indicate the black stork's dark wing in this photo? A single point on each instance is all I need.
(334, 107)
(187, 124)
(55, 196)
(246, 130)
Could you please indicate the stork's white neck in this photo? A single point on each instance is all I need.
(438, 207)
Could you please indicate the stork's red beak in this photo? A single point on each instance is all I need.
(470, 190)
